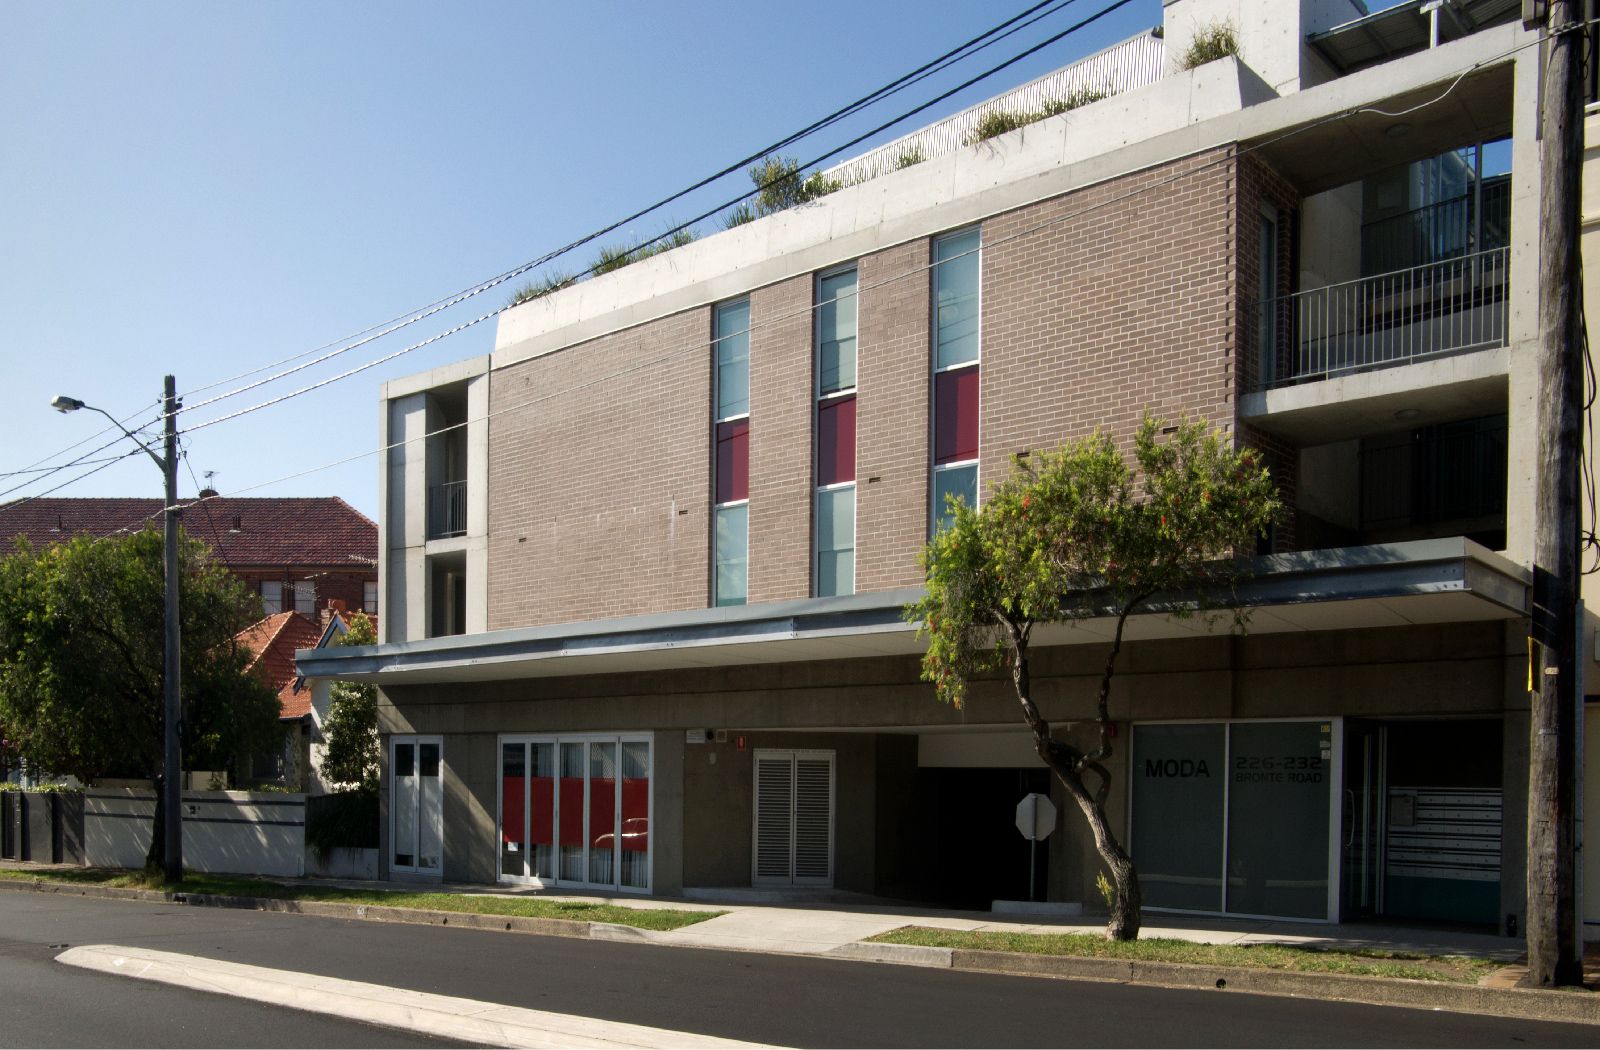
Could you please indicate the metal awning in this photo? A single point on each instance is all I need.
(1406, 28)
(1397, 584)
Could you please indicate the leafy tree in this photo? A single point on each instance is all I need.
(1078, 533)
(82, 658)
(352, 726)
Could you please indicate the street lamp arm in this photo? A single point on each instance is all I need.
(68, 404)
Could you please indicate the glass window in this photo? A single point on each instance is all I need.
(733, 461)
(572, 812)
(836, 541)
(305, 597)
(636, 815)
(836, 332)
(369, 597)
(430, 796)
(733, 545)
(836, 440)
(1278, 819)
(733, 359)
(955, 415)
(513, 809)
(1179, 779)
(272, 596)
(602, 812)
(953, 482)
(956, 280)
(542, 809)
(405, 806)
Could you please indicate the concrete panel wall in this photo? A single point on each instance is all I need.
(237, 832)
(470, 807)
(666, 822)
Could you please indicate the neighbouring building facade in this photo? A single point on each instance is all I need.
(303, 704)
(297, 552)
(643, 567)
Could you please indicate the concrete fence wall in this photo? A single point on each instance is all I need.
(239, 832)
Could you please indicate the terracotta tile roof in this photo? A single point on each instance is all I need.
(273, 642)
(273, 530)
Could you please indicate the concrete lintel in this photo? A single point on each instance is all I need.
(455, 372)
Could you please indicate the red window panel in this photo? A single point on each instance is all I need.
(572, 811)
(836, 441)
(955, 415)
(541, 829)
(733, 461)
(602, 812)
(636, 814)
(511, 809)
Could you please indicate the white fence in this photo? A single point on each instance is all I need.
(239, 832)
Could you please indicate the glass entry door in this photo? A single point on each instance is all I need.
(416, 796)
(576, 811)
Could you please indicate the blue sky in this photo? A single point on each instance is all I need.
(205, 188)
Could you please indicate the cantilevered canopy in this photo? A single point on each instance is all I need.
(1426, 581)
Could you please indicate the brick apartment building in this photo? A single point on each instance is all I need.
(297, 552)
(664, 533)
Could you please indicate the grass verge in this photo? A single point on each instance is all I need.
(1453, 968)
(236, 886)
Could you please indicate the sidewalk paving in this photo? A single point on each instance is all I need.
(818, 922)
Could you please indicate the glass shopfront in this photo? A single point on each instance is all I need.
(1235, 817)
(576, 810)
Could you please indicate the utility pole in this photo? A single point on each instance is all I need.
(172, 777)
(1554, 956)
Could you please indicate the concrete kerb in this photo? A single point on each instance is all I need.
(1579, 1007)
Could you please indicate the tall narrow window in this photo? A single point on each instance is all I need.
(834, 564)
(272, 596)
(731, 517)
(955, 381)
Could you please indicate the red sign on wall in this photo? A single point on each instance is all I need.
(741, 741)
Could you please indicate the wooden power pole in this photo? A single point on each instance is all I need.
(1553, 927)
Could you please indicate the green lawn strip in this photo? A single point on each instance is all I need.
(1160, 949)
(224, 886)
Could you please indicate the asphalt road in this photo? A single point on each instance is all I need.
(784, 1000)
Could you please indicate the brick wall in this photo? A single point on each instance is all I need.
(781, 399)
(337, 584)
(1090, 321)
(892, 403)
(1257, 185)
(599, 495)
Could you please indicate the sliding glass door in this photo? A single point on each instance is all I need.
(575, 810)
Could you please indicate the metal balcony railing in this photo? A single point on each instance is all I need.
(1475, 221)
(447, 510)
(1393, 318)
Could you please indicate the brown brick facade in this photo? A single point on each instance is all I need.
(599, 496)
(781, 407)
(892, 405)
(1092, 320)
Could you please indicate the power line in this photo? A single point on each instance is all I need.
(965, 50)
(903, 116)
(80, 460)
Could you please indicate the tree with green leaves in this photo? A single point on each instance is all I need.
(351, 730)
(1079, 533)
(82, 656)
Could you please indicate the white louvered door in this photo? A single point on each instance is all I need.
(793, 818)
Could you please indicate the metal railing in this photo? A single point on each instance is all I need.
(1375, 322)
(447, 510)
(1476, 221)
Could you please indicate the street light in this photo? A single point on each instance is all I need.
(172, 769)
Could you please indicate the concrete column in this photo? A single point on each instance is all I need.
(666, 823)
(405, 615)
(1523, 308)
(478, 504)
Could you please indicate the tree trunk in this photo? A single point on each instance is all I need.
(1068, 764)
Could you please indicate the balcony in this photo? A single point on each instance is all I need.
(447, 510)
(1451, 306)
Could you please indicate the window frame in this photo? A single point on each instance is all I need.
(816, 536)
(717, 421)
(816, 331)
(935, 510)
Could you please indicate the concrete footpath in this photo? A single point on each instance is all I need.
(836, 926)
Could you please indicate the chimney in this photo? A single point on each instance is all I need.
(335, 605)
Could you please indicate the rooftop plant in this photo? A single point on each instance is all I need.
(1211, 42)
(615, 257)
(553, 281)
(910, 156)
(999, 121)
(779, 185)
